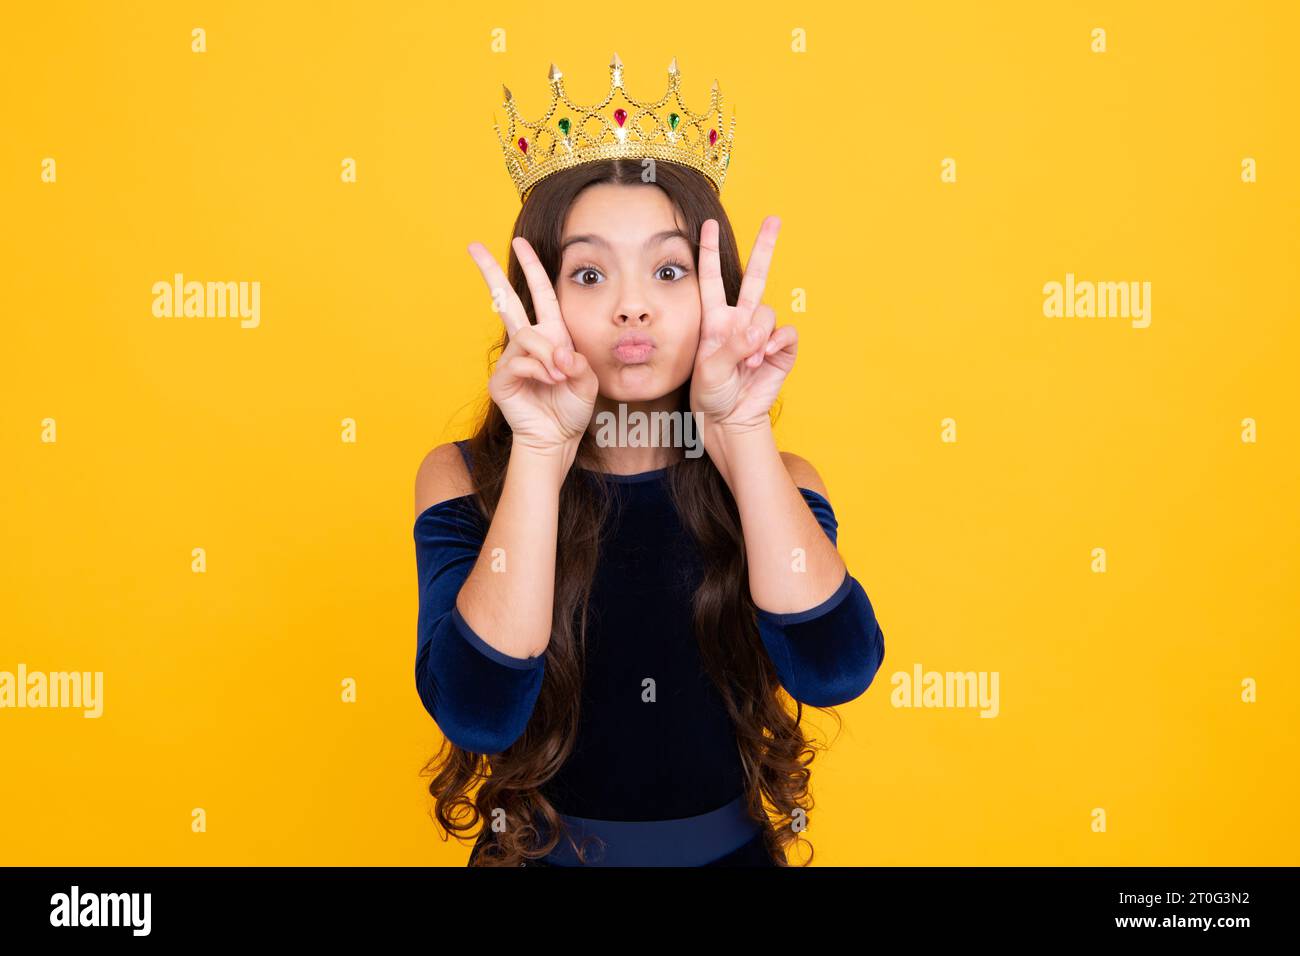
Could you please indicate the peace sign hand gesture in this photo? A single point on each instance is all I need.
(742, 360)
(546, 391)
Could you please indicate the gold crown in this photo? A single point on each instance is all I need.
(568, 134)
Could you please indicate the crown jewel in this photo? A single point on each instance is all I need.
(569, 135)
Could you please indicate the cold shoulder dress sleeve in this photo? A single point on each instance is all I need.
(828, 654)
(480, 697)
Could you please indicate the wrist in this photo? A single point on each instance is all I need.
(731, 443)
(742, 431)
(739, 441)
(737, 433)
(549, 464)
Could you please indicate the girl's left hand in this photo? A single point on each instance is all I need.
(742, 359)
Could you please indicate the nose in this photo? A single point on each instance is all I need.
(633, 308)
(632, 301)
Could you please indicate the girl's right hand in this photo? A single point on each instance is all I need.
(546, 391)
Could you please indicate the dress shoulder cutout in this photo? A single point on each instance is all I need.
(463, 445)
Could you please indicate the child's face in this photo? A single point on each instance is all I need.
(623, 277)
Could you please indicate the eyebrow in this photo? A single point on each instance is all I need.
(599, 241)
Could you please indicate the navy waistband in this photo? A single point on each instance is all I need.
(686, 841)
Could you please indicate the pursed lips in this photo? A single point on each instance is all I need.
(634, 348)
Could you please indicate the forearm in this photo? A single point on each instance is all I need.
(793, 566)
(508, 597)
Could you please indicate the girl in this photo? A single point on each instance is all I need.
(607, 633)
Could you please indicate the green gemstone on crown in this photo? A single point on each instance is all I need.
(673, 120)
(564, 125)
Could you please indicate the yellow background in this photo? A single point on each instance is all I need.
(222, 690)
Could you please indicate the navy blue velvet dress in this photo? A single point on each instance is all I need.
(675, 760)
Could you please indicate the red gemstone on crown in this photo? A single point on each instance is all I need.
(523, 145)
(620, 116)
(713, 136)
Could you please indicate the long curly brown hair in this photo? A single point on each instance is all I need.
(774, 752)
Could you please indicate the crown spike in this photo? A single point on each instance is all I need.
(505, 89)
(616, 63)
(554, 73)
(672, 67)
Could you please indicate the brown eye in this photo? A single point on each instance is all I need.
(580, 274)
(674, 267)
